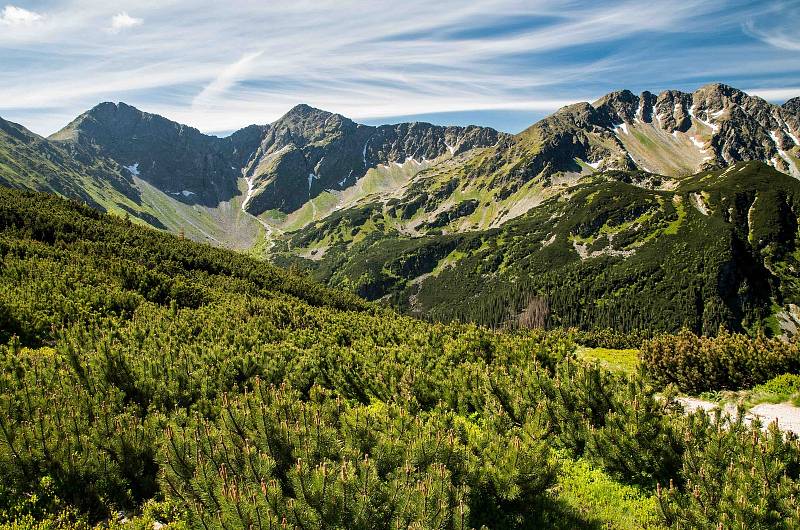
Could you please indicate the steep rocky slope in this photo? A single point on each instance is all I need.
(170, 176)
(671, 135)
(309, 151)
(174, 158)
(29, 161)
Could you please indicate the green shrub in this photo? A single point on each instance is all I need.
(782, 385)
(184, 384)
(725, 362)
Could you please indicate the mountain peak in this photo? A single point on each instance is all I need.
(618, 96)
(721, 90)
(302, 111)
(793, 105)
(103, 119)
(111, 110)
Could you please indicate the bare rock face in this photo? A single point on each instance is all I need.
(175, 158)
(309, 150)
(674, 133)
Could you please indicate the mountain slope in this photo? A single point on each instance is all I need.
(673, 135)
(173, 177)
(29, 161)
(309, 151)
(617, 249)
(196, 387)
(399, 211)
(174, 158)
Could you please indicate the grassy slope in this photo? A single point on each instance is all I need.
(28, 161)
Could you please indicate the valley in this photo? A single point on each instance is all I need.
(396, 212)
(491, 265)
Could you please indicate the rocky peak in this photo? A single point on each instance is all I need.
(308, 151)
(306, 125)
(674, 133)
(177, 159)
(792, 106)
(622, 104)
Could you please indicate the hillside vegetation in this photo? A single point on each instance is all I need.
(190, 385)
(620, 250)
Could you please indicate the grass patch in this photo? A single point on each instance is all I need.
(626, 361)
(595, 497)
(673, 227)
(779, 389)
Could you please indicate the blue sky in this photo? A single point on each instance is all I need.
(219, 66)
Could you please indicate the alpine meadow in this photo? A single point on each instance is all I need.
(508, 293)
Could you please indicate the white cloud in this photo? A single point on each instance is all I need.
(17, 16)
(221, 65)
(226, 79)
(775, 25)
(775, 94)
(122, 21)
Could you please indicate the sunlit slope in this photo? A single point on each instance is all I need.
(617, 249)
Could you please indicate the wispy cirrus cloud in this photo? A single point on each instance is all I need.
(776, 24)
(221, 66)
(226, 79)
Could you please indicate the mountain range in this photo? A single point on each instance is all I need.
(649, 211)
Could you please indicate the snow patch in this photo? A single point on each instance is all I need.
(311, 178)
(713, 127)
(595, 165)
(789, 132)
(623, 126)
(364, 152)
(344, 180)
(793, 170)
(775, 139)
(134, 169)
(250, 187)
(697, 142)
(639, 118)
(450, 148)
(185, 193)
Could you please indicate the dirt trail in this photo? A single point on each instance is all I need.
(788, 416)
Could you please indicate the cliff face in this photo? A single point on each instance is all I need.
(175, 158)
(309, 150)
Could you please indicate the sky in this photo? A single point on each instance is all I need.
(220, 66)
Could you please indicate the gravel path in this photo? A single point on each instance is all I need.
(788, 416)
